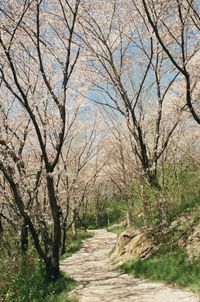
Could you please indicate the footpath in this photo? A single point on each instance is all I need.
(99, 281)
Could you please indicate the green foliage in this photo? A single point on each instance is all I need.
(116, 210)
(63, 297)
(172, 267)
(170, 263)
(24, 280)
(74, 244)
(116, 229)
(11, 248)
(181, 188)
(59, 290)
(113, 212)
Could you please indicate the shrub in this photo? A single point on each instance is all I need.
(24, 280)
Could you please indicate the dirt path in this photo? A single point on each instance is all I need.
(100, 282)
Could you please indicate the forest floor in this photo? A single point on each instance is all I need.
(99, 280)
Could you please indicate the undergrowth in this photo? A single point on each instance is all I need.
(23, 279)
(172, 267)
(74, 244)
(170, 262)
(116, 229)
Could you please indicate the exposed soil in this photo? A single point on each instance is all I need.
(99, 281)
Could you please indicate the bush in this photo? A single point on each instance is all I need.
(24, 280)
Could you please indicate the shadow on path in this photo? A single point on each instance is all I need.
(99, 281)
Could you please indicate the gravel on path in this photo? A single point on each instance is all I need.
(99, 281)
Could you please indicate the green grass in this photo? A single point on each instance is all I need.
(184, 207)
(74, 244)
(172, 267)
(116, 229)
(60, 290)
(62, 298)
(24, 280)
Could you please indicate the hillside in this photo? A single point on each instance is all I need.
(171, 255)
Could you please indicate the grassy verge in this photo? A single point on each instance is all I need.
(170, 262)
(61, 289)
(172, 268)
(116, 229)
(74, 244)
(23, 279)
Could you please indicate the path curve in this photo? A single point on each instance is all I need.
(99, 281)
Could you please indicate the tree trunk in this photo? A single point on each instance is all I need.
(162, 205)
(74, 233)
(1, 228)
(82, 223)
(24, 238)
(108, 218)
(52, 268)
(152, 178)
(64, 237)
(51, 260)
(161, 201)
(97, 220)
(53, 265)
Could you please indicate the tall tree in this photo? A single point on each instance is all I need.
(38, 59)
(118, 51)
(176, 25)
(129, 74)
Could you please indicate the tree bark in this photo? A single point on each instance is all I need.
(74, 233)
(53, 263)
(24, 238)
(52, 268)
(1, 228)
(64, 237)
